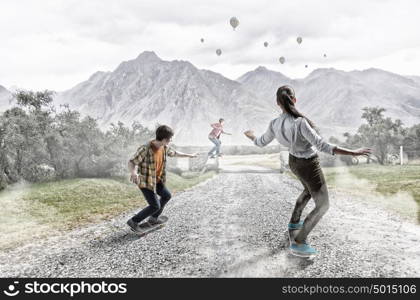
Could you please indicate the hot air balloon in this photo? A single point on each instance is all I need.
(265, 44)
(299, 40)
(202, 40)
(282, 60)
(218, 52)
(234, 22)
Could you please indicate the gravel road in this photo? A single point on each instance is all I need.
(232, 225)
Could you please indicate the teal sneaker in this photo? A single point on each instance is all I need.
(303, 250)
(293, 230)
(295, 225)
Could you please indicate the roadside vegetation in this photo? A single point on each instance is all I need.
(38, 210)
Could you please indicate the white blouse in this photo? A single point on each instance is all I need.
(296, 134)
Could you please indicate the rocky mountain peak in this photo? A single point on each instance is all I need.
(148, 56)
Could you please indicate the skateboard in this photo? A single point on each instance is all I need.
(147, 228)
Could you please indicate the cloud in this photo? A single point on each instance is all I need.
(56, 43)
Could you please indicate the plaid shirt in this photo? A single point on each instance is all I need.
(144, 159)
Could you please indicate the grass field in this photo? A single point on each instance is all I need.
(398, 186)
(36, 210)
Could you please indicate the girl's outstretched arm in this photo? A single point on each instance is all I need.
(263, 140)
(357, 152)
(310, 134)
(250, 134)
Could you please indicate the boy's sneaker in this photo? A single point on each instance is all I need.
(302, 249)
(134, 226)
(158, 220)
(293, 226)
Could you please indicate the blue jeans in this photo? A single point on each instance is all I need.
(156, 205)
(216, 147)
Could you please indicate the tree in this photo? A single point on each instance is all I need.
(35, 100)
(35, 138)
(380, 133)
(412, 141)
(121, 142)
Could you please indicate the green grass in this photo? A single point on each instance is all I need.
(79, 201)
(399, 186)
(37, 210)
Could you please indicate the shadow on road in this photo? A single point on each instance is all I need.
(287, 264)
(118, 238)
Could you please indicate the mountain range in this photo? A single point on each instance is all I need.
(151, 90)
(334, 99)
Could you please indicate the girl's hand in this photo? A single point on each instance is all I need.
(362, 151)
(249, 134)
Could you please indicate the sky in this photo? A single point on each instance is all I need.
(56, 44)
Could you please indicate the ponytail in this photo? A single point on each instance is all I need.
(285, 96)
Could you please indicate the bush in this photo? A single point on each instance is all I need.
(39, 173)
(37, 143)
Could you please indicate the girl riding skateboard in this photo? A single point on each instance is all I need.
(298, 133)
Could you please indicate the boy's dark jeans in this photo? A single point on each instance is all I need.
(156, 205)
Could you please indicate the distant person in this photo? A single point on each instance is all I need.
(294, 130)
(214, 137)
(148, 171)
